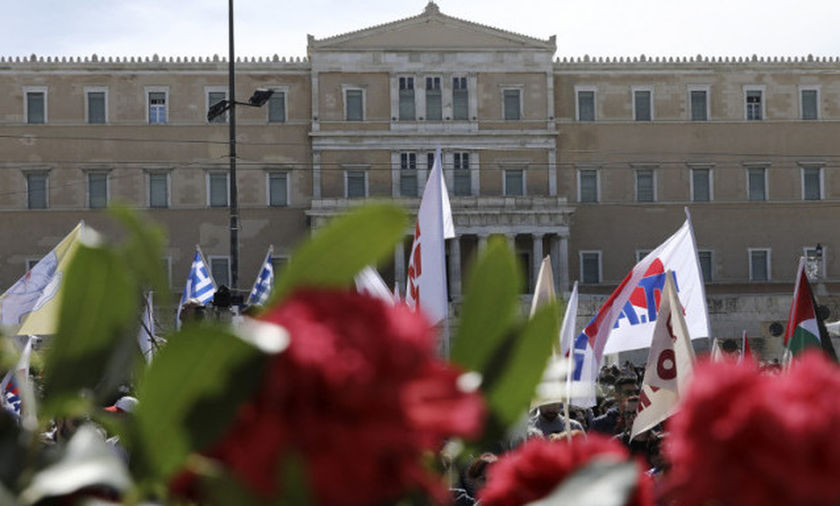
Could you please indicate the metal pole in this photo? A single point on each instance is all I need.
(234, 205)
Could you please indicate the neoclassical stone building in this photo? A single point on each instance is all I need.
(590, 160)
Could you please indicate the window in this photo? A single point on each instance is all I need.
(698, 103)
(35, 105)
(585, 104)
(430, 161)
(220, 270)
(514, 182)
(642, 105)
(96, 100)
(218, 189)
(460, 99)
(757, 183)
(408, 174)
(354, 104)
(590, 267)
(759, 264)
(754, 99)
(705, 258)
(588, 185)
(31, 263)
(512, 104)
(97, 190)
(355, 183)
(812, 183)
(645, 187)
(434, 107)
(158, 189)
(156, 101)
(36, 190)
(406, 99)
(277, 107)
(809, 99)
(810, 254)
(701, 185)
(213, 98)
(461, 175)
(278, 189)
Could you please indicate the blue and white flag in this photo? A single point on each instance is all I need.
(264, 283)
(200, 285)
(11, 389)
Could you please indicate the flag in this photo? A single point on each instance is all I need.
(627, 319)
(15, 381)
(264, 282)
(716, 355)
(669, 365)
(200, 285)
(544, 289)
(31, 305)
(369, 282)
(580, 391)
(746, 353)
(146, 337)
(803, 327)
(426, 285)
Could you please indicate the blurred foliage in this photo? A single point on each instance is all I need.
(189, 395)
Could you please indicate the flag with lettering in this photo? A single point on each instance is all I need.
(670, 363)
(627, 319)
(426, 285)
(264, 282)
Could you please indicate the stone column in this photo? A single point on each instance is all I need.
(560, 244)
(537, 257)
(455, 266)
(511, 239)
(399, 267)
(482, 242)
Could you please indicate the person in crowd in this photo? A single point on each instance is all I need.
(548, 419)
(609, 422)
(475, 478)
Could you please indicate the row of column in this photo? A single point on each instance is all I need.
(558, 249)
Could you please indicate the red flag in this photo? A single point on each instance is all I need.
(746, 353)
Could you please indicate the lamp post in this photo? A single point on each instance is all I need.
(258, 99)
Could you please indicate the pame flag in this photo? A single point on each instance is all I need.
(265, 281)
(627, 319)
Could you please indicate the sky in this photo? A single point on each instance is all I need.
(269, 27)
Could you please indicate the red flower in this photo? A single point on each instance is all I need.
(358, 395)
(746, 438)
(536, 468)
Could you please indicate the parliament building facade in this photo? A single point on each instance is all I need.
(590, 160)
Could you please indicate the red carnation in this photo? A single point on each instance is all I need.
(358, 395)
(536, 468)
(746, 438)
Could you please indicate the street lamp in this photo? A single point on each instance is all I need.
(258, 99)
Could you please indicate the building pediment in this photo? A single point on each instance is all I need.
(431, 30)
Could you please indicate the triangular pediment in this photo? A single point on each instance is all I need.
(431, 30)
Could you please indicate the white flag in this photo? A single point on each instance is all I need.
(580, 389)
(544, 291)
(426, 285)
(626, 320)
(369, 282)
(670, 363)
(716, 355)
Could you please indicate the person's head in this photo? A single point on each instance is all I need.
(625, 386)
(477, 472)
(628, 410)
(550, 410)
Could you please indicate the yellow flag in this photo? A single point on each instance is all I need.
(32, 304)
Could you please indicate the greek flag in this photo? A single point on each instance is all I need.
(264, 283)
(200, 284)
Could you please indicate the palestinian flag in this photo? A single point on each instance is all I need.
(803, 329)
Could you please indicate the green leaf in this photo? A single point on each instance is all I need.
(190, 394)
(99, 306)
(510, 388)
(490, 306)
(337, 252)
(143, 249)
